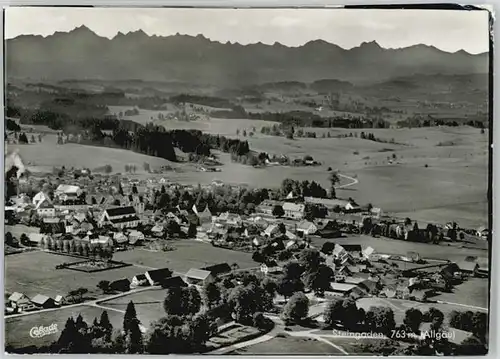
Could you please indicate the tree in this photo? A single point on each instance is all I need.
(413, 319)
(296, 309)
(319, 279)
(133, 340)
(278, 211)
(211, 294)
(480, 325)
(380, 319)
(129, 315)
(345, 312)
(472, 346)
(23, 138)
(192, 231)
(182, 301)
(244, 301)
(288, 286)
(24, 239)
(146, 167)
(173, 227)
(310, 259)
(104, 286)
(106, 325)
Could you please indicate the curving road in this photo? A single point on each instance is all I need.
(352, 183)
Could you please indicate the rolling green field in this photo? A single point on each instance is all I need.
(400, 306)
(289, 346)
(34, 273)
(48, 154)
(382, 245)
(22, 277)
(148, 304)
(440, 174)
(17, 329)
(188, 254)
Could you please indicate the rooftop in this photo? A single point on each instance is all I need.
(198, 274)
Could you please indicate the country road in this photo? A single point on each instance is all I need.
(352, 183)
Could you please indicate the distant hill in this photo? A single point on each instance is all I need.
(81, 54)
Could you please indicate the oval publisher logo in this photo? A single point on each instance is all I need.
(41, 331)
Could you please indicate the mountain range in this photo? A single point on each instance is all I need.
(81, 54)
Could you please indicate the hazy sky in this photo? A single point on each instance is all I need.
(447, 30)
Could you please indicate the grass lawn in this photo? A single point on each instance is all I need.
(289, 345)
(452, 188)
(453, 252)
(34, 272)
(148, 304)
(17, 329)
(188, 254)
(48, 154)
(400, 306)
(352, 345)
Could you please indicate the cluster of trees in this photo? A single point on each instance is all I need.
(474, 322)
(80, 248)
(201, 100)
(221, 199)
(78, 337)
(303, 189)
(429, 121)
(11, 125)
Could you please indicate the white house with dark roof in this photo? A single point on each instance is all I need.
(65, 192)
(120, 217)
(198, 276)
(294, 210)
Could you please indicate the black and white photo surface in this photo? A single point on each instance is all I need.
(247, 181)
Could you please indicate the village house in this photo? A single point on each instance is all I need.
(468, 268)
(139, 280)
(198, 276)
(270, 267)
(66, 193)
(43, 205)
(43, 302)
(294, 210)
(156, 276)
(20, 302)
(120, 217)
(345, 290)
(231, 219)
(218, 269)
(266, 207)
(120, 285)
(306, 228)
(173, 282)
(204, 217)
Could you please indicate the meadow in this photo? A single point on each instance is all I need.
(17, 329)
(34, 273)
(289, 346)
(437, 174)
(187, 254)
(446, 251)
(148, 304)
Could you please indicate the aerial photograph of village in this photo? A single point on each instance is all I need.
(247, 181)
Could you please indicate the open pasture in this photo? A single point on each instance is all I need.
(221, 126)
(289, 346)
(48, 154)
(34, 273)
(17, 329)
(382, 245)
(148, 304)
(400, 306)
(188, 254)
